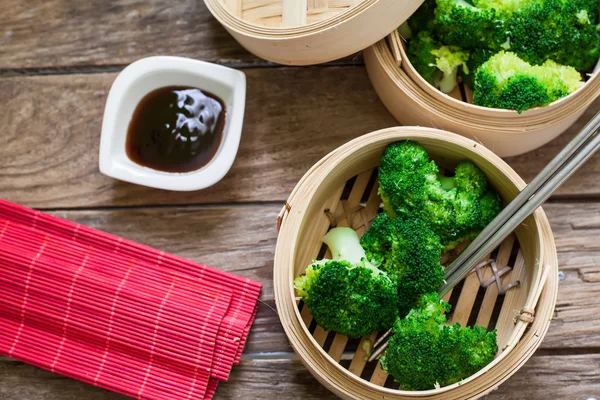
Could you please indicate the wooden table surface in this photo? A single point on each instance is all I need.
(58, 59)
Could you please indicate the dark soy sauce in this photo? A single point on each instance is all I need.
(176, 129)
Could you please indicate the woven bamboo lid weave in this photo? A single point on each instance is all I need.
(303, 32)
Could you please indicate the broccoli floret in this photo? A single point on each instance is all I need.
(423, 19)
(347, 294)
(420, 52)
(583, 17)
(470, 26)
(436, 63)
(426, 352)
(491, 205)
(536, 30)
(410, 187)
(409, 252)
(506, 81)
(448, 59)
(558, 30)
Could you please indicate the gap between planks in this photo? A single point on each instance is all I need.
(351, 61)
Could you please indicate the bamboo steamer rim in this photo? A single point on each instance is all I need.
(247, 28)
(313, 355)
(462, 113)
(410, 70)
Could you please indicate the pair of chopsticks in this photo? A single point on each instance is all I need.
(569, 160)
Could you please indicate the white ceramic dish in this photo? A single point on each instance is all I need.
(148, 74)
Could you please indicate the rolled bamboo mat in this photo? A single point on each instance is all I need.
(115, 313)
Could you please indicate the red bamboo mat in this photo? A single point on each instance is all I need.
(115, 313)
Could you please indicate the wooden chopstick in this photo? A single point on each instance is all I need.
(569, 160)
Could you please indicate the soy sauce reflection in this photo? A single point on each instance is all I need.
(176, 129)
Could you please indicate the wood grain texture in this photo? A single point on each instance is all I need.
(542, 377)
(59, 34)
(294, 116)
(576, 320)
(49, 152)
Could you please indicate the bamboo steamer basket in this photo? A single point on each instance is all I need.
(340, 190)
(413, 101)
(303, 32)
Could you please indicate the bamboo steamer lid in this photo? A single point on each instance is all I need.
(305, 32)
(339, 191)
(413, 101)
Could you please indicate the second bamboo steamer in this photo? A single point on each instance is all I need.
(413, 101)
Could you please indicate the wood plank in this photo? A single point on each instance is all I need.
(267, 334)
(49, 153)
(553, 377)
(463, 308)
(491, 293)
(95, 33)
(542, 377)
(576, 319)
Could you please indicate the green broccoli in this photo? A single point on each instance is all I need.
(348, 295)
(506, 81)
(409, 252)
(535, 30)
(448, 59)
(410, 187)
(471, 26)
(420, 52)
(436, 63)
(557, 30)
(423, 19)
(425, 352)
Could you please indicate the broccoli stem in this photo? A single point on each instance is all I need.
(344, 245)
(448, 81)
(448, 182)
(464, 3)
